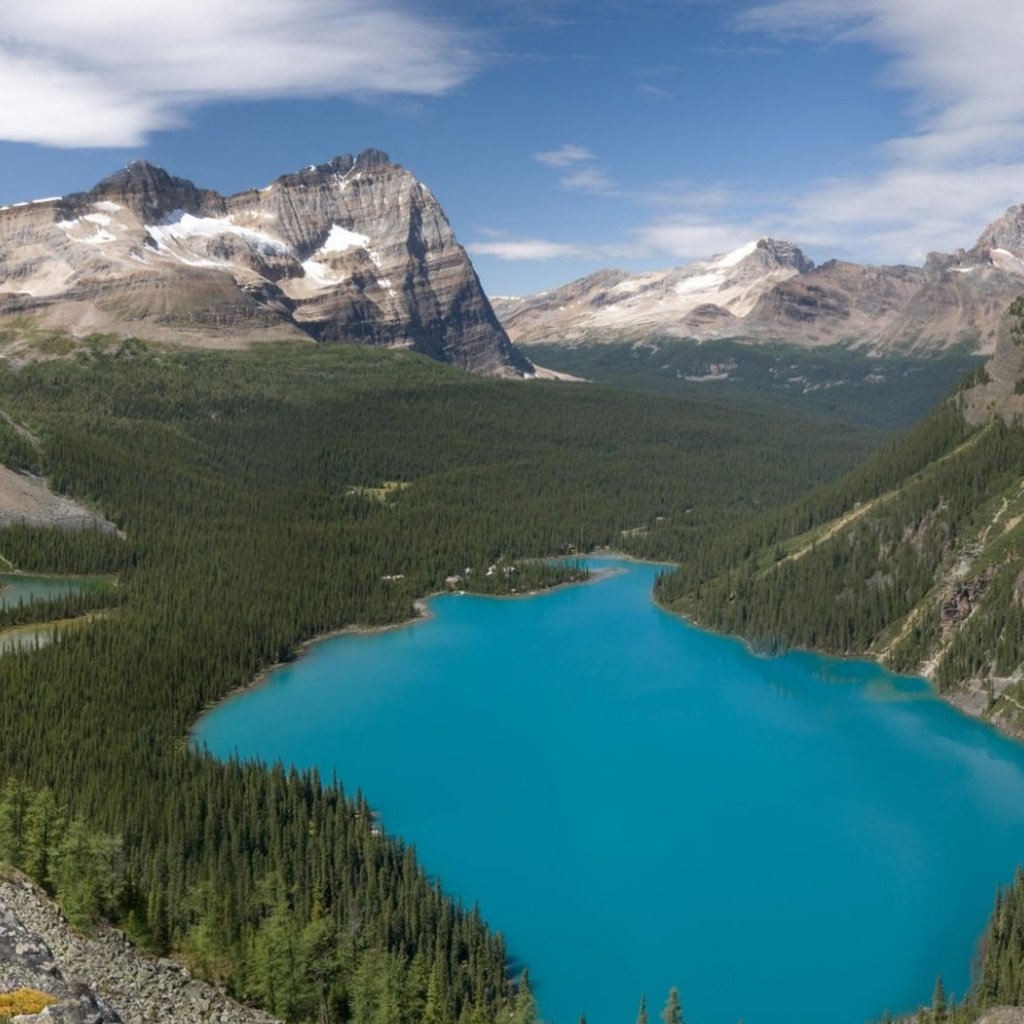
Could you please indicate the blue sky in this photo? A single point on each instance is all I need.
(561, 136)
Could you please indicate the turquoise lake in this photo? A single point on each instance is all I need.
(636, 803)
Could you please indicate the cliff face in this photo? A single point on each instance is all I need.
(354, 250)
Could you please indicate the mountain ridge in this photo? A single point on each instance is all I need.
(355, 249)
(953, 300)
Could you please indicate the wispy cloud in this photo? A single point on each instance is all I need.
(683, 239)
(529, 250)
(567, 155)
(537, 250)
(582, 171)
(106, 73)
(588, 179)
(959, 67)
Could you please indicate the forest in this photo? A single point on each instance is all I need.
(264, 498)
(915, 557)
(834, 382)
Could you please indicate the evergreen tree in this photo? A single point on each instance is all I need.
(14, 805)
(524, 1006)
(939, 1002)
(673, 1011)
(45, 825)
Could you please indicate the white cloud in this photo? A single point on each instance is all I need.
(566, 155)
(528, 250)
(588, 179)
(106, 73)
(961, 61)
(684, 239)
(963, 162)
(514, 250)
(956, 66)
(582, 171)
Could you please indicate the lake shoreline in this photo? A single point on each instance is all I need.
(421, 607)
(628, 700)
(967, 701)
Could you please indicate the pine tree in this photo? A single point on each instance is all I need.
(939, 1002)
(673, 1012)
(642, 1017)
(524, 1006)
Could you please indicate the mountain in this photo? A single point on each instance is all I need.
(354, 250)
(707, 298)
(768, 291)
(916, 559)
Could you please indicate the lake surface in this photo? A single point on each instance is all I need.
(636, 803)
(16, 589)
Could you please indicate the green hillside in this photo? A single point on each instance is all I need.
(916, 557)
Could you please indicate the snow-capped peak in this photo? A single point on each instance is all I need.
(730, 259)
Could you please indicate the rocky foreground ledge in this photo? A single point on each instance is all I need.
(98, 979)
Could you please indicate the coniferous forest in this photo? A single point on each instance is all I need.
(263, 498)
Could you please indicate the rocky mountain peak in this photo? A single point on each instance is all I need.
(353, 250)
(152, 194)
(339, 167)
(372, 158)
(703, 298)
(1007, 232)
(783, 254)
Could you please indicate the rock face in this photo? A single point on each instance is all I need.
(26, 962)
(768, 291)
(1001, 391)
(354, 250)
(98, 979)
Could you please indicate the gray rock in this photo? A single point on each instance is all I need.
(99, 978)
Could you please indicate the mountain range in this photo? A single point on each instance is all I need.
(769, 291)
(357, 250)
(353, 250)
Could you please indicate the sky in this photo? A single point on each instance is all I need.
(560, 136)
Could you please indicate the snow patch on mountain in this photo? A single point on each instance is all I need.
(341, 239)
(181, 227)
(699, 283)
(320, 274)
(730, 259)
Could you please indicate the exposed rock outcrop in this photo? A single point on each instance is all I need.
(99, 979)
(353, 250)
(25, 498)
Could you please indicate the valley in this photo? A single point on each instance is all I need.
(249, 492)
(248, 418)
